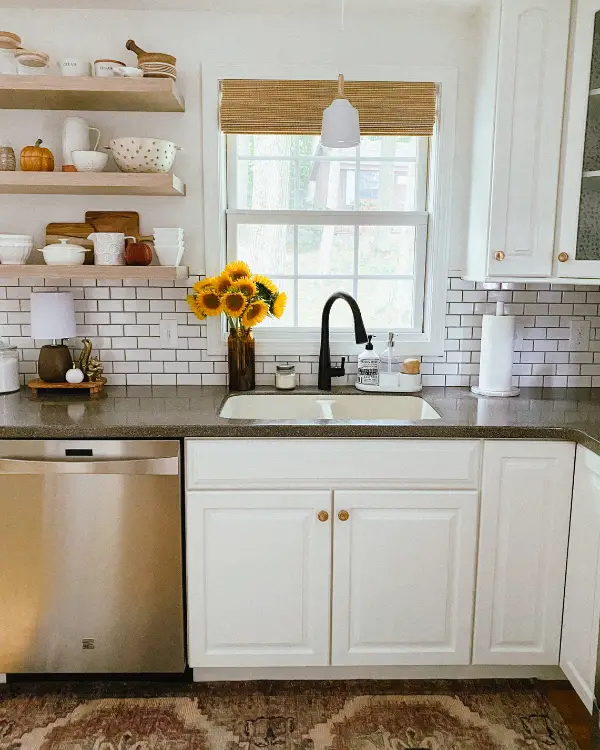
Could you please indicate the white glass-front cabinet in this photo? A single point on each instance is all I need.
(517, 136)
(577, 250)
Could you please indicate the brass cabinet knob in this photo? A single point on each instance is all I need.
(323, 516)
(563, 257)
(343, 515)
(499, 255)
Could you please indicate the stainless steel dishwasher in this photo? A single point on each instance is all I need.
(90, 557)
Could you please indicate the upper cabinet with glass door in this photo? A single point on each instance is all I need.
(517, 138)
(577, 249)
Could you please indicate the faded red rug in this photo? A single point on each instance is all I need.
(360, 715)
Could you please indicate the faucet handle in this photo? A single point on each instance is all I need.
(338, 372)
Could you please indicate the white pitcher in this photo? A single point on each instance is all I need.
(76, 137)
(109, 248)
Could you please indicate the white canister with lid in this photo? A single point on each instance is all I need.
(9, 368)
(285, 378)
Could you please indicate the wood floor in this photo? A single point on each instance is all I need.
(575, 714)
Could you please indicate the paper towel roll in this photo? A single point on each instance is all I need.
(497, 346)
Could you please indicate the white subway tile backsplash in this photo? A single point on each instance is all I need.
(123, 319)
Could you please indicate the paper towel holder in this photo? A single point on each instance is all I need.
(513, 391)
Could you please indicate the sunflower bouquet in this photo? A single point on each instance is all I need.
(245, 299)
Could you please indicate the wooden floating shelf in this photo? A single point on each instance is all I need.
(157, 273)
(90, 183)
(110, 94)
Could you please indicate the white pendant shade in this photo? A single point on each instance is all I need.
(341, 125)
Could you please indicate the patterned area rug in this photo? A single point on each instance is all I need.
(357, 715)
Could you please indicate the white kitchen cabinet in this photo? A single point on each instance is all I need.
(524, 526)
(582, 594)
(259, 578)
(577, 251)
(517, 137)
(403, 577)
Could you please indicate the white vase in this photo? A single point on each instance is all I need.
(76, 137)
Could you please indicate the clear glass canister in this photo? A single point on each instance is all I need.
(9, 368)
(285, 377)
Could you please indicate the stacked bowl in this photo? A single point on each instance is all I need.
(169, 245)
(15, 249)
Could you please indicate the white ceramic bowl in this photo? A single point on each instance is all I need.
(89, 161)
(18, 238)
(169, 256)
(143, 154)
(15, 255)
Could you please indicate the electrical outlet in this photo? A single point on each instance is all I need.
(168, 334)
(579, 335)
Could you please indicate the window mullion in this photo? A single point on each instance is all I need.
(296, 267)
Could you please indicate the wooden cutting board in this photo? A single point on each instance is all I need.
(127, 222)
(77, 234)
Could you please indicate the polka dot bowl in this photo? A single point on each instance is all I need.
(143, 154)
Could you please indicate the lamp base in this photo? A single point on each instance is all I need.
(53, 363)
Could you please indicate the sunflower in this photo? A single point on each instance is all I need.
(237, 269)
(266, 282)
(222, 283)
(234, 304)
(205, 284)
(193, 303)
(255, 313)
(246, 286)
(279, 304)
(209, 303)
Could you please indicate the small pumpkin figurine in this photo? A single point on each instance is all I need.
(138, 254)
(37, 159)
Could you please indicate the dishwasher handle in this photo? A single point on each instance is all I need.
(162, 466)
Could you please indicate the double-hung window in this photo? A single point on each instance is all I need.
(320, 220)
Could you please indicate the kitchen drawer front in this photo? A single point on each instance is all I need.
(431, 464)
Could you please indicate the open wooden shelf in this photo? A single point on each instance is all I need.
(156, 273)
(111, 94)
(90, 183)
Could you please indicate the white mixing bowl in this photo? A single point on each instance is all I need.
(143, 154)
(89, 161)
(15, 254)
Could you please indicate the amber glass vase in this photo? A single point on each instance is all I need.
(240, 347)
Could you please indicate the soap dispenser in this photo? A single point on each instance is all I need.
(368, 366)
(390, 361)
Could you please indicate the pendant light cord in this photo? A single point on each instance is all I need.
(343, 21)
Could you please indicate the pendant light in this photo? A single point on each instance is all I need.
(341, 126)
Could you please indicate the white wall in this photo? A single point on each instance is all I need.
(440, 37)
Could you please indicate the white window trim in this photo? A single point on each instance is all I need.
(431, 340)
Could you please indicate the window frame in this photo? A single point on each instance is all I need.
(429, 341)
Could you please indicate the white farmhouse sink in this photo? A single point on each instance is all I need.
(322, 406)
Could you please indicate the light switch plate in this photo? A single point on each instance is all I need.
(579, 335)
(169, 338)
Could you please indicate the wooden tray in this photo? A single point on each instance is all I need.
(94, 388)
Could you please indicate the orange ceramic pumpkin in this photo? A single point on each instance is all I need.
(37, 159)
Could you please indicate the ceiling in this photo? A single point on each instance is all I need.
(247, 6)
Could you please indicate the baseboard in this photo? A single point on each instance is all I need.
(231, 674)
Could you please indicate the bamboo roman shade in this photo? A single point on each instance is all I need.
(296, 107)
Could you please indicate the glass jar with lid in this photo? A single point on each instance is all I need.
(285, 378)
(9, 368)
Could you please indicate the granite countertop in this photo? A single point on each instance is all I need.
(192, 411)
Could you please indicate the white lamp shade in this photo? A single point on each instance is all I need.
(341, 126)
(52, 315)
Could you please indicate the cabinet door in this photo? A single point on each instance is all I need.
(529, 105)
(577, 253)
(403, 577)
(525, 507)
(582, 594)
(259, 578)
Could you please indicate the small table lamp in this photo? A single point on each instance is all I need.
(53, 317)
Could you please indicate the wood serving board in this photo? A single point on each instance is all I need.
(93, 387)
(127, 222)
(76, 233)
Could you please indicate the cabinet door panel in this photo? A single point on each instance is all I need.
(525, 507)
(404, 570)
(259, 571)
(529, 105)
(582, 593)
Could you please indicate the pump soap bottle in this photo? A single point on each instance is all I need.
(368, 367)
